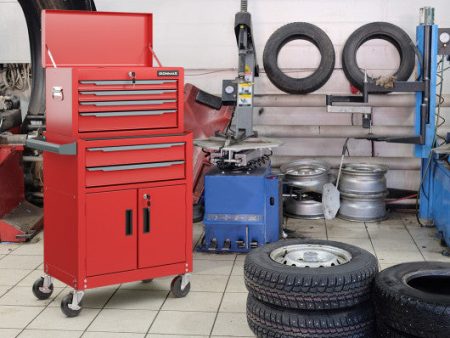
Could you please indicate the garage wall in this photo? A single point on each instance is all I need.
(198, 35)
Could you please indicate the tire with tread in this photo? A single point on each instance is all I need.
(378, 30)
(335, 287)
(275, 322)
(384, 331)
(299, 31)
(412, 310)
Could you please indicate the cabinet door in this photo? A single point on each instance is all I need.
(162, 226)
(111, 223)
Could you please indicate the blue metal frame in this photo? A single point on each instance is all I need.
(424, 151)
(435, 186)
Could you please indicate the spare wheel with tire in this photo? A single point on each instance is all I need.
(310, 274)
(272, 321)
(414, 298)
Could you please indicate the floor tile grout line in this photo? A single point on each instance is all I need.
(221, 300)
(157, 314)
(371, 242)
(415, 243)
(40, 312)
(101, 309)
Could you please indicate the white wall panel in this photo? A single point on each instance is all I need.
(14, 46)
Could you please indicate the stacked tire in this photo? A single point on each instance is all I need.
(413, 300)
(310, 288)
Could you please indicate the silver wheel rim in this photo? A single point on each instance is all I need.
(310, 256)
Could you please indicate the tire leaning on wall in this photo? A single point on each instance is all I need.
(299, 31)
(345, 283)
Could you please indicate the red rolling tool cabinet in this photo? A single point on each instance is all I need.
(117, 162)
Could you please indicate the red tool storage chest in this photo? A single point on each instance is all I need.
(117, 162)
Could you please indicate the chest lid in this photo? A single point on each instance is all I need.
(102, 39)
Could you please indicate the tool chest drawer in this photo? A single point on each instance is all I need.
(137, 153)
(115, 100)
(134, 173)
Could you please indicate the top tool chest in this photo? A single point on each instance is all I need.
(117, 161)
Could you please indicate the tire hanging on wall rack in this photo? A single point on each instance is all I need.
(299, 31)
(32, 11)
(384, 31)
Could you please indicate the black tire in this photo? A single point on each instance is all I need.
(299, 31)
(198, 212)
(414, 298)
(384, 331)
(378, 30)
(38, 293)
(270, 321)
(65, 306)
(175, 288)
(334, 287)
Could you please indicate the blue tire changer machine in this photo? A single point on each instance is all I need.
(243, 205)
(433, 50)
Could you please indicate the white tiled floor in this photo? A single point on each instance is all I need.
(215, 306)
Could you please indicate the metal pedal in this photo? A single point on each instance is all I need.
(254, 244)
(240, 244)
(213, 244)
(227, 244)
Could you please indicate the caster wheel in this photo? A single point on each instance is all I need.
(175, 287)
(38, 284)
(65, 302)
(146, 281)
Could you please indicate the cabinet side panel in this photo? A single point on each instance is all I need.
(59, 113)
(61, 215)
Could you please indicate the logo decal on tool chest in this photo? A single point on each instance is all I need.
(168, 73)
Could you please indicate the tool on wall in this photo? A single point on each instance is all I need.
(242, 197)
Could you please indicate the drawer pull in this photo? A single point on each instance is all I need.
(127, 92)
(137, 147)
(125, 103)
(125, 82)
(136, 166)
(130, 113)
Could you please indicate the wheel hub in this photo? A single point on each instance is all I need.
(310, 256)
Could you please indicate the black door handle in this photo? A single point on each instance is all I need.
(128, 222)
(146, 220)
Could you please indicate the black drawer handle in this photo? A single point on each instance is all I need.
(128, 222)
(146, 220)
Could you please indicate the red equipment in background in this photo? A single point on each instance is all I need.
(117, 162)
(204, 122)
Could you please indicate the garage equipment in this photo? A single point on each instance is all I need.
(432, 42)
(242, 196)
(117, 162)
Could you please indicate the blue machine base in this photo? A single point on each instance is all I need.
(436, 208)
(242, 210)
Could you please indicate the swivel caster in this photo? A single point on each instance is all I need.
(71, 304)
(43, 288)
(180, 286)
